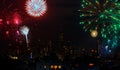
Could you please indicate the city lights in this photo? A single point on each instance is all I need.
(91, 64)
(55, 67)
(59, 67)
(60, 35)
(13, 57)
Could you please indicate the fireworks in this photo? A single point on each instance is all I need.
(24, 30)
(17, 18)
(103, 16)
(111, 35)
(6, 7)
(35, 8)
(97, 14)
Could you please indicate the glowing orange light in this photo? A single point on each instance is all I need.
(94, 33)
(59, 67)
(55, 66)
(51, 66)
(92, 50)
(91, 64)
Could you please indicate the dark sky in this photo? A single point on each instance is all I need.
(61, 16)
(64, 17)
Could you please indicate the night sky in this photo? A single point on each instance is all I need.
(61, 17)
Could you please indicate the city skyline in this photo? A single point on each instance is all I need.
(61, 17)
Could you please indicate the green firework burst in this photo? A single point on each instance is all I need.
(97, 14)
